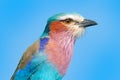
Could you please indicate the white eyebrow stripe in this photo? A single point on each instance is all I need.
(75, 17)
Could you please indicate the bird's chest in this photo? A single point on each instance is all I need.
(59, 55)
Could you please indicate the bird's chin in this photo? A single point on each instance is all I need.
(78, 32)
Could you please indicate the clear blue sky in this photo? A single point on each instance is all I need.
(96, 54)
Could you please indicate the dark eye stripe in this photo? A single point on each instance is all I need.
(68, 20)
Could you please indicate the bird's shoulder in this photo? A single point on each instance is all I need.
(29, 53)
(36, 47)
(27, 56)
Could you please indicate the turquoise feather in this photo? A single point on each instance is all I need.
(39, 68)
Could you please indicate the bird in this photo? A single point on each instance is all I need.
(48, 57)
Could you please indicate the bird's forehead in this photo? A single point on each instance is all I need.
(75, 17)
(63, 16)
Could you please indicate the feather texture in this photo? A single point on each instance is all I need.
(36, 66)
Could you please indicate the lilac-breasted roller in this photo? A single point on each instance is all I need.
(49, 57)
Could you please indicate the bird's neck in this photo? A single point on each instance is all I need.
(60, 48)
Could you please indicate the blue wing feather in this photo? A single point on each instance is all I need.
(34, 64)
(39, 68)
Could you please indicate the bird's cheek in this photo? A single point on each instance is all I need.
(77, 32)
(57, 27)
(73, 27)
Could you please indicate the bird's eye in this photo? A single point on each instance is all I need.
(67, 20)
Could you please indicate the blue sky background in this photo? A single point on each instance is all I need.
(96, 54)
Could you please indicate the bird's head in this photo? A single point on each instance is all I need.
(73, 23)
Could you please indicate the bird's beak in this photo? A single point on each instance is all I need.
(87, 23)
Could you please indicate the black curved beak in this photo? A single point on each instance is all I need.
(87, 23)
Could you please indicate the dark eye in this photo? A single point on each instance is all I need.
(67, 20)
